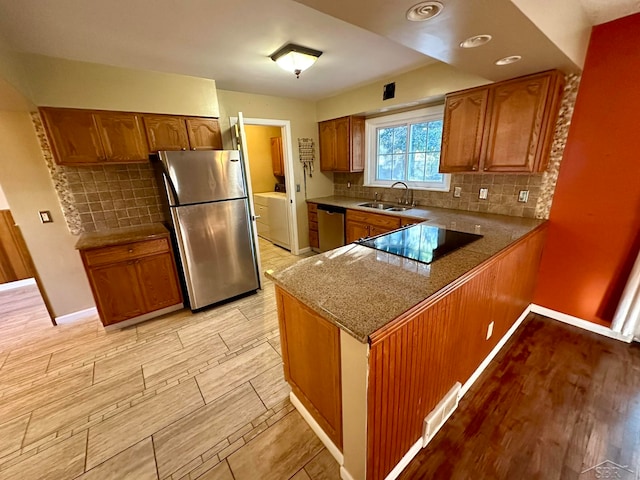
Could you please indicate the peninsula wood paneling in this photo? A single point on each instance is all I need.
(416, 360)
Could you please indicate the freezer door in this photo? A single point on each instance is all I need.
(216, 249)
(203, 176)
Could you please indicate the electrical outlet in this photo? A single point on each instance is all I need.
(348, 184)
(490, 331)
(457, 191)
(523, 196)
(484, 193)
(45, 216)
(297, 187)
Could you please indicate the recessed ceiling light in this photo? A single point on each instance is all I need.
(509, 60)
(424, 11)
(476, 41)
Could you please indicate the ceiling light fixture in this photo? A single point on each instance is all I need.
(509, 60)
(295, 59)
(476, 41)
(424, 11)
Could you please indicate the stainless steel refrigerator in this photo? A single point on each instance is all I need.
(206, 192)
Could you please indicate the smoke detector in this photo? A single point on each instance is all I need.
(424, 11)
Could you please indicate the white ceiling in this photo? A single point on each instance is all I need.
(230, 41)
(602, 11)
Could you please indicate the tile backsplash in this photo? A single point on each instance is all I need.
(502, 198)
(113, 196)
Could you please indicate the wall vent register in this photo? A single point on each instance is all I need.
(423, 243)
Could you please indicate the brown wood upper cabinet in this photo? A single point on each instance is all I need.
(342, 144)
(167, 132)
(504, 127)
(277, 158)
(85, 136)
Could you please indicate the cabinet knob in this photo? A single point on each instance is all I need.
(474, 168)
(131, 250)
(486, 168)
(183, 149)
(193, 148)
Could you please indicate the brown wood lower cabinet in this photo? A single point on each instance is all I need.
(132, 279)
(361, 224)
(311, 355)
(312, 212)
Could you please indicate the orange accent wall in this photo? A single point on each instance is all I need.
(594, 231)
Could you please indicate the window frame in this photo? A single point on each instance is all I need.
(371, 146)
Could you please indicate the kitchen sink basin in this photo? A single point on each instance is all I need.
(397, 209)
(378, 205)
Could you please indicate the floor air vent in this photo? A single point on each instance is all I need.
(441, 413)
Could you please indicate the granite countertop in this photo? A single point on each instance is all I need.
(118, 236)
(361, 289)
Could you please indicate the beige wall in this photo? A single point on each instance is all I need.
(424, 84)
(259, 146)
(27, 185)
(66, 83)
(302, 115)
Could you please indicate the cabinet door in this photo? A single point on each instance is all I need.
(122, 136)
(311, 356)
(357, 144)
(277, 159)
(374, 231)
(165, 132)
(73, 135)
(356, 231)
(515, 124)
(463, 128)
(204, 133)
(117, 292)
(158, 278)
(343, 145)
(327, 134)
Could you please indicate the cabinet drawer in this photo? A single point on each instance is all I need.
(312, 208)
(313, 217)
(385, 221)
(313, 226)
(118, 253)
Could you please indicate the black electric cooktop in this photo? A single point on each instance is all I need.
(423, 243)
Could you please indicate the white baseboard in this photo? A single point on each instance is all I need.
(76, 316)
(481, 368)
(580, 323)
(304, 250)
(333, 450)
(404, 461)
(144, 318)
(17, 284)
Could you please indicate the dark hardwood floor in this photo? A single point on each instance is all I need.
(555, 402)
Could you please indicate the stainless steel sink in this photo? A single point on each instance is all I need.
(378, 205)
(397, 209)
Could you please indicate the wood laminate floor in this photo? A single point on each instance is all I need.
(555, 403)
(202, 396)
(184, 396)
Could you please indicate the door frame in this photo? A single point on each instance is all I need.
(287, 152)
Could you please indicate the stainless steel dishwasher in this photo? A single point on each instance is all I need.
(330, 227)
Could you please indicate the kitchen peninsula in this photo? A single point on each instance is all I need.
(372, 342)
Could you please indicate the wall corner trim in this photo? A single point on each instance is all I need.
(580, 323)
(344, 474)
(76, 316)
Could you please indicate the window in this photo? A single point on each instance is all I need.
(405, 147)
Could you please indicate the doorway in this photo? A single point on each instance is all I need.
(259, 133)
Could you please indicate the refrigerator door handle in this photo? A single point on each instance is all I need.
(172, 194)
(255, 217)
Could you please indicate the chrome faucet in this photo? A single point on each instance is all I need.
(404, 199)
(375, 194)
